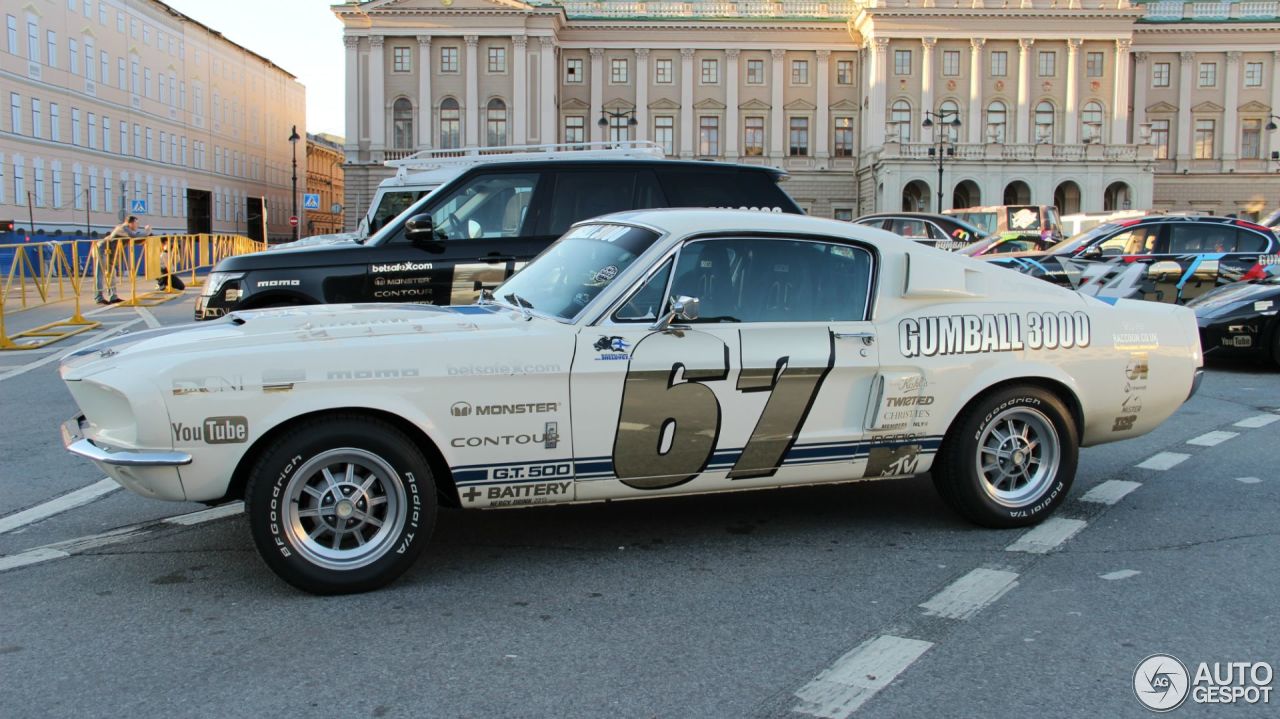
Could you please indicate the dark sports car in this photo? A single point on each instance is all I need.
(941, 231)
(1241, 319)
(1166, 258)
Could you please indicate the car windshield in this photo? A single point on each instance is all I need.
(1072, 244)
(570, 273)
(987, 222)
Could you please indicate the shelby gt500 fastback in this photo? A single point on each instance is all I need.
(644, 354)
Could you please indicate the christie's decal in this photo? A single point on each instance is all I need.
(1000, 332)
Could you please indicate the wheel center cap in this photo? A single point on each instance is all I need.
(344, 508)
(1019, 457)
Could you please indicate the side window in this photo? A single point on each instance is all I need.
(581, 195)
(391, 205)
(1188, 238)
(911, 229)
(722, 188)
(1247, 241)
(1137, 241)
(650, 300)
(774, 280)
(484, 206)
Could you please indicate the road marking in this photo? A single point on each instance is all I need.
(31, 556)
(1212, 439)
(1258, 420)
(207, 515)
(58, 505)
(967, 595)
(147, 317)
(1047, 536)
(1248, 480)
(1110, 491)
(1120, 574)
(1163, 461)
(857, 676)
(56, 356)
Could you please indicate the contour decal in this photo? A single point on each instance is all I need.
(1001, 332)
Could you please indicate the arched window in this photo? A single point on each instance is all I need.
(402, 124)
(450, 124)
(948, 113)
(496, 123)
(1044, 121)
(1091, 122)
(900, 120)
(995, 122)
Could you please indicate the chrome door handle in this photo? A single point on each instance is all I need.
(866, 337)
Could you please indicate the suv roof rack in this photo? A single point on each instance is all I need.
(462, 157)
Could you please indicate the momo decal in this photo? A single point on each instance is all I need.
(213, 430)
(277, 283)
(466, 409)
(999, 332)
(401, 267)
(371, 374)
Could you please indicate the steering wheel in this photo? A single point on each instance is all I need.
(454, 223)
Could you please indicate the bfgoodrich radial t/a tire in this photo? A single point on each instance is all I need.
(341, 504)
(1009, 459)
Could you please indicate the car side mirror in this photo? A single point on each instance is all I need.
(684, 309)
(419, 229)
(1091, 253)
(1163, 268)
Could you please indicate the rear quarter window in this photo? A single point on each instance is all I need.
(725, 189)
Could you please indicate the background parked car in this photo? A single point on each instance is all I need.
(1028, 220)
(941, 231)
(1242, 318)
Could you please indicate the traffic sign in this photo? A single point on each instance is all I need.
(311, 201)
(293, 221)
(138, 207)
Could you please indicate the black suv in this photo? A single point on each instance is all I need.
(477, 230)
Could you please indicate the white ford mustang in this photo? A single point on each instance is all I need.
(645, 354)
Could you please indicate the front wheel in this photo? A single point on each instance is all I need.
(1009, 459)
(339, 505)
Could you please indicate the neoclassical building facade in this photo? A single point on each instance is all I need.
(869, 104)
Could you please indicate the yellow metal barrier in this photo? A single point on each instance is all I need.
(42, 273)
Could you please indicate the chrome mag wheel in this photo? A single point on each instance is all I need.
(1018, 455)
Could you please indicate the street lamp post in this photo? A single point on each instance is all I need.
(944, 119)
(606, 116)
(293, 140)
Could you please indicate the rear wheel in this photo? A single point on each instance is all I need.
(341, 504)
(1009, 459)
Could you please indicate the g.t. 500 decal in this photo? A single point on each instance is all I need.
(1000, 332)
(669, 421)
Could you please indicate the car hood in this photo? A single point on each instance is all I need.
(318, 240)
(1235, 293)
(301, 328)
(299, 255)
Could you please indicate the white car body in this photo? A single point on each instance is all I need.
(521, 408)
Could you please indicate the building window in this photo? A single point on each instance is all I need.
(798, 145)
(52, 38)
(55, 122)
(618, 71)
(573, 71)
(497, 60)
(401, 59)
(37, 120)
(75, 126)
(843, 214)
(1044, 121)
(664, 132)
(620, 128)
(1160, 74)
(662, 71)
(755, 72)
(92, 135)
(73, 56)
(1208, 74)
(448, 59)
(33, 41)
(999, 63)
(1048, 63)
(844, 72)
(575, 129)
(15, 113)
(844, 137)
(951, 63)
(799, 72)
(753, 137)
(901, 62)
(1204, 139)
(450, 124)
(496, 123)
(12, 28)
(900, 120)
(402, 124)
(1091, 122)
(1253, 74)
(1093, 64)
(995, 122)
(710, 72)
(1251, 139)
(709, 136)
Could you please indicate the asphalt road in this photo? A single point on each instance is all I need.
(864, 600)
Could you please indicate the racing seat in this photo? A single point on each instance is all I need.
(777, 283)
(706, 272)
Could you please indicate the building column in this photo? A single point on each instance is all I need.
(926, 87)
(520, 90)
(597, 94)
(1071, 118)
(1230, 123)
(732, 130)
(686, 103)
(822, 124)
(548, 132)
(777, 121)
(1141, 81)
(1186, 70)
(352, 146)
(976, 126)
(426, 103)
(642, 93)
(1120, 98)
(879, 74)
(1024, 90)
(472, 99)
(377, 100)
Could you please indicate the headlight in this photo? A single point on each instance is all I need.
(213, 285)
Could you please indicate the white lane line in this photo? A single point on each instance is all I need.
(58, 355)
(147, 317)
(207, 515)
(31, 556)
(1212, 439)
(857, 676)
(1047, 536)
(1258, 420)
(1110, 491)
(1248, 480)
(1119, 574)
(967, 595)
(58, 505)
(1163, 461)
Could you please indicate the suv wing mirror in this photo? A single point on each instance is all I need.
(419, 229)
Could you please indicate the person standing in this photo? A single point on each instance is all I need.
(105, 251)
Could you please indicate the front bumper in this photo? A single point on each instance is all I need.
(149, 473)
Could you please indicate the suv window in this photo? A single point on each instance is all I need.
(1195, 238)
(1247, 241)
(1137, 241)
(771, 280)
(583, 194)
(487, 205)
(718, 188)
(392, 204)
